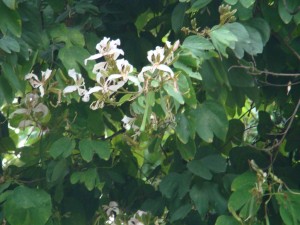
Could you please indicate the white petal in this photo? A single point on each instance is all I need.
(136, 81)
(100, 66)
(42, 90)
(25, 123)
(46, 74)
(30, 76)
(166, 69)
(41, 108)
(20, 111)
(70, 89)
(115, 87)
(93, 57)
(75, 76)
(94, 89)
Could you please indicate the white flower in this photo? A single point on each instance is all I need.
(125, 69)
(127, 122)
(134, 221)
(79, 83)
(36, 83)
(105, 85)
(32, 110)
(107, 47)
(111, 209)
(156, 58)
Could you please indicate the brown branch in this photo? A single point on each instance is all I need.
(254, 71)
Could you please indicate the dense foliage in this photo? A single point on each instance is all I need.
(149, 112)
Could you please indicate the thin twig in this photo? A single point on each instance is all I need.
(254, 71)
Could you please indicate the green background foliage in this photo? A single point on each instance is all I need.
(221, 148)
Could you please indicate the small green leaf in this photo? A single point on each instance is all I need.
(10, 4)
(9, 44)
(188, 150)
(199, 4)
(210, 119)
(247, 3)
(200, 197)
(175, 185)
(62, 147)
(182, 128)
(172, 91)
(178, 16)
(26, 206)
(231, 2)
(222, 38)
(89, 147)
(10, 20)
(187, 70)
(198, 168)
(181, 212)
(215, 163)
(11, 76)
(226, 220)
(197, 43)
(283, 12)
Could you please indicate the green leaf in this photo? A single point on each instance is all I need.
(199, 4)
(243, 38)
(197, 43)
(10, 20)
(26, 206)
(262, 27)
(89, 178)
(244, 181)
(215, 163)
(231, 2)
(199, 169)
(178, 16)
(256, 43)
(226, 220)
(247, 3)
(222, 38)
(235, 131)
(181, 212)
(6, 92)
(10, 4)
(9, 44)
(205, 166)
(200, 197)
(187, 70)
(175, 185)
(172, 91)
(210, 119)
(89, 147)
(70, 36)
(182, 128)
(283, 12)
(73, 56)
(62, 147)
(11, 76)
(188, 150)
(289, 204)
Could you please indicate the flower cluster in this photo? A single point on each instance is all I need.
(112, 75)
(112, 211)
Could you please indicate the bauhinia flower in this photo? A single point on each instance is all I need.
(107, 86)
(128, 124)
(156, 58)
(33, 110)
(79, 85)
(134, 221)
(111, 209)
(36, 83)
(124, 70)
(107, 47)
